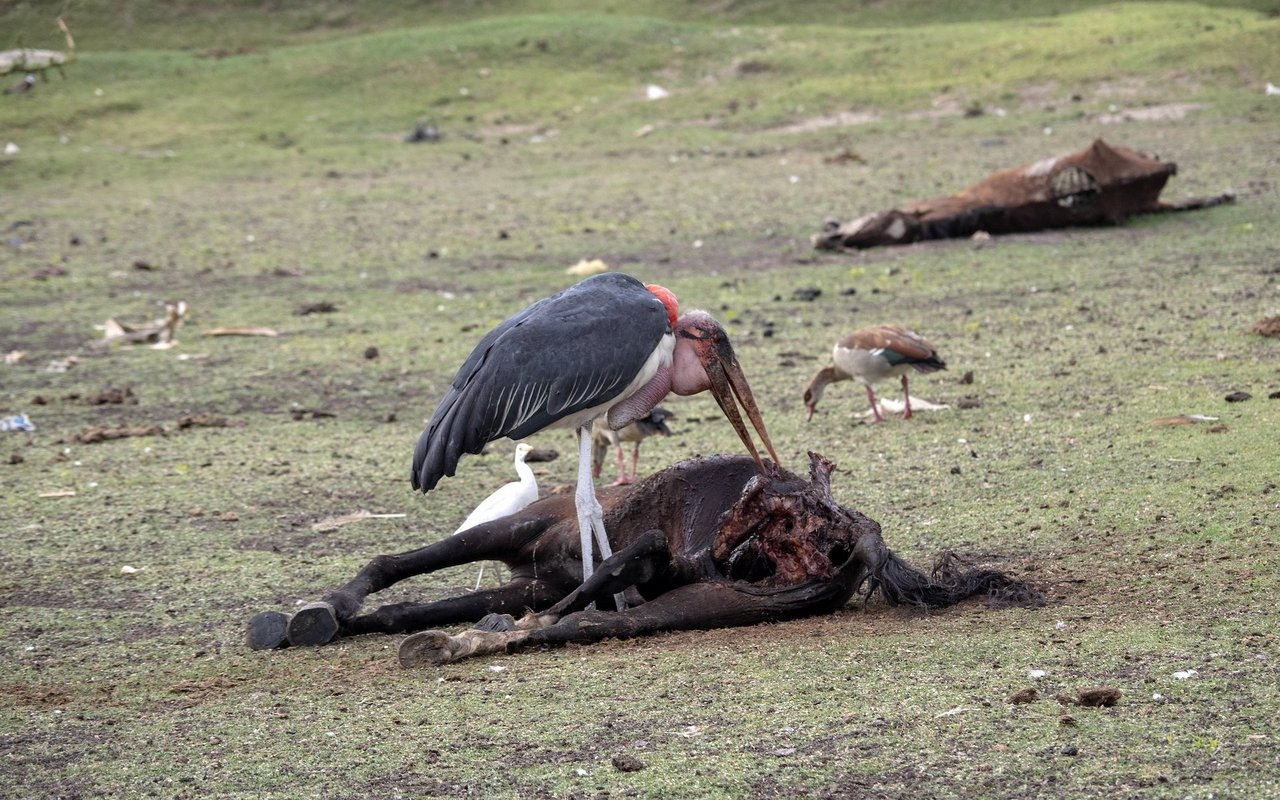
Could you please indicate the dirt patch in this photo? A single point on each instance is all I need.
(842, 119)
(42, 695)
(1170, 112)
(194, 692)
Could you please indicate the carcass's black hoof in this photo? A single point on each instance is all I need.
(428, 648)
(314, 624)
(267, 630)
(496, 623)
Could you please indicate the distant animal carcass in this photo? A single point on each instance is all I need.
(36, 62)
(1100, 185)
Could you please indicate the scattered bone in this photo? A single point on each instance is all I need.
(1183, 419)
(585, 267)
(892, 405)
(160, 334)
(333, 523)
(242, 330)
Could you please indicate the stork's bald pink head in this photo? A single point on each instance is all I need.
(668, 299)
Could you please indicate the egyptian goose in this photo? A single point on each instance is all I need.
(869, 355)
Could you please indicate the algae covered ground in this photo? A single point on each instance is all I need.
(248, 159)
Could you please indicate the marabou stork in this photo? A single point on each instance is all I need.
(603, 438)
(607, 347)
(869, 355)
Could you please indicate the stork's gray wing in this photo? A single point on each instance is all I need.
(571, 351)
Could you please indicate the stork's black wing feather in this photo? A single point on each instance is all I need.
(571, 351)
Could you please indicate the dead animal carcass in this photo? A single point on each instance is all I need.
(1100, 185)
(707, 543)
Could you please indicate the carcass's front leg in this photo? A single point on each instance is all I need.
(634, 564)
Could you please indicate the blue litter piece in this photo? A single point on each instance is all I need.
(18, 422)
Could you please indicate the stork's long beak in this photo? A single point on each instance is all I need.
(728, 382)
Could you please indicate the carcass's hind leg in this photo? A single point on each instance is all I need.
(515, 597)
(635, 564)
(319, 622)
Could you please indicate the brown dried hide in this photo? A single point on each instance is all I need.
(1100, 185)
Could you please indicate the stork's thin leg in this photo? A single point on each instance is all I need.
(584, 500)
(635, 461)
(875, 407)
(590, 514)
(906, 399)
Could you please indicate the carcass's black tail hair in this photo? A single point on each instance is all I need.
(948, 584)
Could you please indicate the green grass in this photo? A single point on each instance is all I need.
(225, 174)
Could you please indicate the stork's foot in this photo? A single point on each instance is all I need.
(624, 480)
(268, 630)
(428, 648)
(314, 624)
